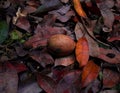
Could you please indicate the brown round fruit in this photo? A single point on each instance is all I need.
(60, 45)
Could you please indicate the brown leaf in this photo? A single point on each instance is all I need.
(42, 57)
(46, 83)
(109, 55)
(8, 78)
(79, 30)
(65, 61)
(93, 45)
(28, 10)
(66, 85)
(58, 72)
(42, 35)
(63, 14)
(23, 23)
(110, 78)
(89, 73)
(82, 51)
(107, 14)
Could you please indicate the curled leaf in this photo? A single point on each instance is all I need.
(82, 51)
(78, 8)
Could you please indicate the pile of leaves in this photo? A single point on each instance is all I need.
(26, 66)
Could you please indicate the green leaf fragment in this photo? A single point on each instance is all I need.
(15, 35)
(3, 31)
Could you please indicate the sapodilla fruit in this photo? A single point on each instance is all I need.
(60, 45)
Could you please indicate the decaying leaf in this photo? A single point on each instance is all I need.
(63, 14)
(82, 51)
(92, 44)
(42, 35)
(110, 78)
(109, 55)
(89, 73)
(79, 9)
(66, 85)
(107, 15)
(65, 61)
(23, 23)
(42, 57)
(8, 78)
(79, 30)
(46, 83)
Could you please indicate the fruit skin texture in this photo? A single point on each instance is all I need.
(60, 45)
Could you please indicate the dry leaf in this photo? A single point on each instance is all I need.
(66, 85)
(110, 78)
(42, 35)
(109, 55)
(93, 45)
(89, 73)
(8, 78)
(107, 14)
(42, 57)
(23, 23)
(79, 30)
(65, 61)
(46, 83)
(82, 51)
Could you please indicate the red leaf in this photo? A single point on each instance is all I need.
(110, 78)
(89, 73)
(66, 85)
(20, 67)
(8, 78)
(23, 23)
(59, 72)
(82, 51)
(46, 83)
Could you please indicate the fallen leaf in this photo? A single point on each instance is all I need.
(3, 31)
(110, 78)
(23, 23)
(8, 79)
(20, 67)
(48, 5)
(42, 35)
(78, 7)
(109, 55)
(46, 83)
(63, 14)
(58, 72)
(89, 73)
(42, 57)
(82, 51)
(65, 61)
(79, 30)
(93, 45)
(66, 85)
(107, 14)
